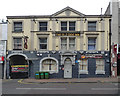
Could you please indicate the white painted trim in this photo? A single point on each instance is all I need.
(16, 54)
(52, 59)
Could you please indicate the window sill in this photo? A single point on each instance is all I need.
(83, 72)
(51, 72)
(17, 31)
(17, 49)
(100, 72)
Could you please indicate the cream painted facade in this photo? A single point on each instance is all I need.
(31, 29)
(62, 38)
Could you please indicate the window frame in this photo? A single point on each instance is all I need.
(18, 44)
(17, 26)
(43, 26)
(103, 64)
(64, 26)
(92, 44)
(83, 71)
(43, 43)
(68, 26)
(72, 26)
(92, 27)
(50, 71)
(68, 44)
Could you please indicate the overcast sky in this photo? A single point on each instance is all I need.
(48, 7)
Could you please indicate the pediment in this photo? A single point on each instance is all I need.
(67, 12)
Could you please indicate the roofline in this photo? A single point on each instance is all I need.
(49, 16)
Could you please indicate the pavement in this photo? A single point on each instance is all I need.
(73, 80)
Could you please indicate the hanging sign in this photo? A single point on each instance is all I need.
(93, 56)
(1, 59)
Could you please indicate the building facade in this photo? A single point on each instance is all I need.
(3, 40)
(114, 10)
(67, 44)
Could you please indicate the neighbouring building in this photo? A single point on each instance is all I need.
(67, 44)
(3, 41)
(114, 10)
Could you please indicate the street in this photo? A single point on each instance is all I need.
(16, 87)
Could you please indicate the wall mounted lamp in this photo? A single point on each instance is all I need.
(34, 20)
(56, 20)
(8, 21)
(85, 20)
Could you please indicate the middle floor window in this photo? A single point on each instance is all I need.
(91, 43)
(17, 43)
(67, 43)
(43, 43)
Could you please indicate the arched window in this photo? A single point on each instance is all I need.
(49, 64)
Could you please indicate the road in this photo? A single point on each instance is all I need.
(15, 87)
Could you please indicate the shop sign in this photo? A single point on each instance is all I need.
(67, 34)
(94, 56)
(82, 56)
(19, 68)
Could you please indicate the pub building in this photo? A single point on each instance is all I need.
(67, 44)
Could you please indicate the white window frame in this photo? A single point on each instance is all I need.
(83, 71)
(92, 26)
(50, 71)
(43, 26)
(100, 71)
(13, 29)
(68, 26)
(19, 43)
(92, 43)
(68, 44)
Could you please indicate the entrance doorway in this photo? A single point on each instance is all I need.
(68, 68)
(19, 67)
(118, 65)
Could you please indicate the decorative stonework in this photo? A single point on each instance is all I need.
(67, 12)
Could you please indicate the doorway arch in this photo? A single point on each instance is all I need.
(68, 68)
(18, 66)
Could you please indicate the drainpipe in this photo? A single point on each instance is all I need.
(110, 34)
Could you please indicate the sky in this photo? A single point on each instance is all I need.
(49, 7)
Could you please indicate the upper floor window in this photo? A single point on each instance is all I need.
(17, 43)
(63, 26)
(91, 43)
(43, 26)
(18, 26)
(92, 26)
(43, 43)
(68, 26)
(71, 26)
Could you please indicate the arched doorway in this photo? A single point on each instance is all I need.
(18, 66)
(67, 68)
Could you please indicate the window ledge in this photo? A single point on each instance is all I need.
(100, 72)
(17, 31)
(51, 72)
(83, 72)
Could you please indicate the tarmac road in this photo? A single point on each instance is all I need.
(15, 87)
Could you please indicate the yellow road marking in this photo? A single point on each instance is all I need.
(5, 80)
